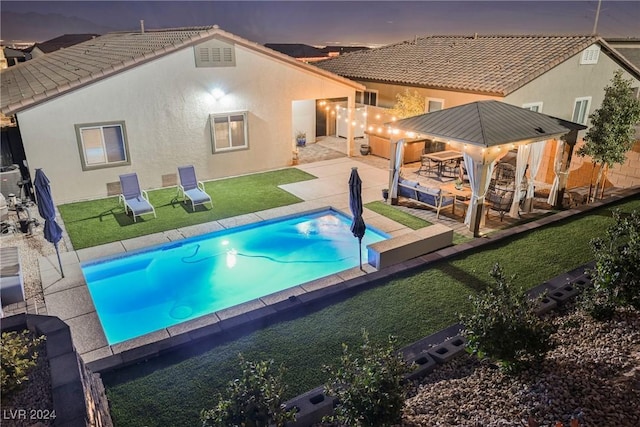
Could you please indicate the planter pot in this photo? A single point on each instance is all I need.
(385, 194)
(365, 149)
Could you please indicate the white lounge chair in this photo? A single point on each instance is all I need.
(191, 188)
(135, 199)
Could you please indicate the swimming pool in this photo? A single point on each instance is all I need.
(161, 286)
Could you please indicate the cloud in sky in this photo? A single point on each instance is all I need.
(320, 22)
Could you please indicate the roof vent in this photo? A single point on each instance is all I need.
(539, 130)
(142, 26)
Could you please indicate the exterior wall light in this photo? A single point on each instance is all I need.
(217, 94)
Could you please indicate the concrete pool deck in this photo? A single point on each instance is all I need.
(69, 299)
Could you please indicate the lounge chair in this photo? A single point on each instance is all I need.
(191, 188)
(135, 199)
(11, 281)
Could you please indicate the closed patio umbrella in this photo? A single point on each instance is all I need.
(52, 231)
(358, 226)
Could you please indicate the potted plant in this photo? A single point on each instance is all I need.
(385, 194)
(301, 138)
(458, 183)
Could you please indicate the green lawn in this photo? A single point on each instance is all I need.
(102, 221)
(408, 220)
(173, 389)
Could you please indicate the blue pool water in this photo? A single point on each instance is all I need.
(165, 285)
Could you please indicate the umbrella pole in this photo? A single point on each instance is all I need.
(360, 252)
(59, 261)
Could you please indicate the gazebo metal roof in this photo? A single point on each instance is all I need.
(486, 124)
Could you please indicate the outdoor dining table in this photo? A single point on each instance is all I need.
(441, 157)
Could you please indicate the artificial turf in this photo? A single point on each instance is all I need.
(96, 222)
(172, 389)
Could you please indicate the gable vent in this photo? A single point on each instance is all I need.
(215, 53)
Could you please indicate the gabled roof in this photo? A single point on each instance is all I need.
(63, 41)
(492, 64)
(296, 50)
(487, 124)
(60, 72)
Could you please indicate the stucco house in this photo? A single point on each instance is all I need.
(561, 76)
(150, 101)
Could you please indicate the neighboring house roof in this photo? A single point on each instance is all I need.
(343, 49)
(493, 64)
(60, 72)
(13, 53)
(296, 50)
(631, 53)
(63, 41)
(487, 124)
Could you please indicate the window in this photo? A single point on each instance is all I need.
(590, 55)
(215, 53)
(102, 145)
(433, 104)
(533, 106)
(368, 97)
(229, 131)
(581, 110)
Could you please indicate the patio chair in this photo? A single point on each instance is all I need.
(135, 199)
(191, 188)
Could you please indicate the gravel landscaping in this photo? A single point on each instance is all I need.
(593, 375)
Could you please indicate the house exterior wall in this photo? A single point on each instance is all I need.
(387, 94)
(558, 89)
(165, 105)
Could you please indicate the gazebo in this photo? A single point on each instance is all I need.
(484, 131)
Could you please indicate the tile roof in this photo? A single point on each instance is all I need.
(296, 50)
(35, 81)
(492, 64)
(63, 41)
(486, 124)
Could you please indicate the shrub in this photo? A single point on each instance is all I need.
(503, 326)
(254, 400)
(18, 356)
(369, 386)
(616, 276)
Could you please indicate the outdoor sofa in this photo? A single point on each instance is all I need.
(428, 196)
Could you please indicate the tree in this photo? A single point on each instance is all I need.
(408, 104)
(612, 127)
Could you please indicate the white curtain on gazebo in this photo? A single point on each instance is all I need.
(535, 158)
(397, 169)
(553, 193)
(474, 170)
(521, 167)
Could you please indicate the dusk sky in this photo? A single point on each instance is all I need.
(321, 22)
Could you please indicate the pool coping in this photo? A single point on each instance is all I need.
(221, 326)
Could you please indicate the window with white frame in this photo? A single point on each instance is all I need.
(590, 55)
(229, 131)
(102, 145)
(533, 106)
(368, 97)
(581, 110)
(433, 104)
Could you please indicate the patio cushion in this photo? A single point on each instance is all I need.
(139, 205)
(197, 196)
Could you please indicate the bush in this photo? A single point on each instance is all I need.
(254, 400)
(616, 276)
(369, 386)
(17, 356)
(503, 326)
